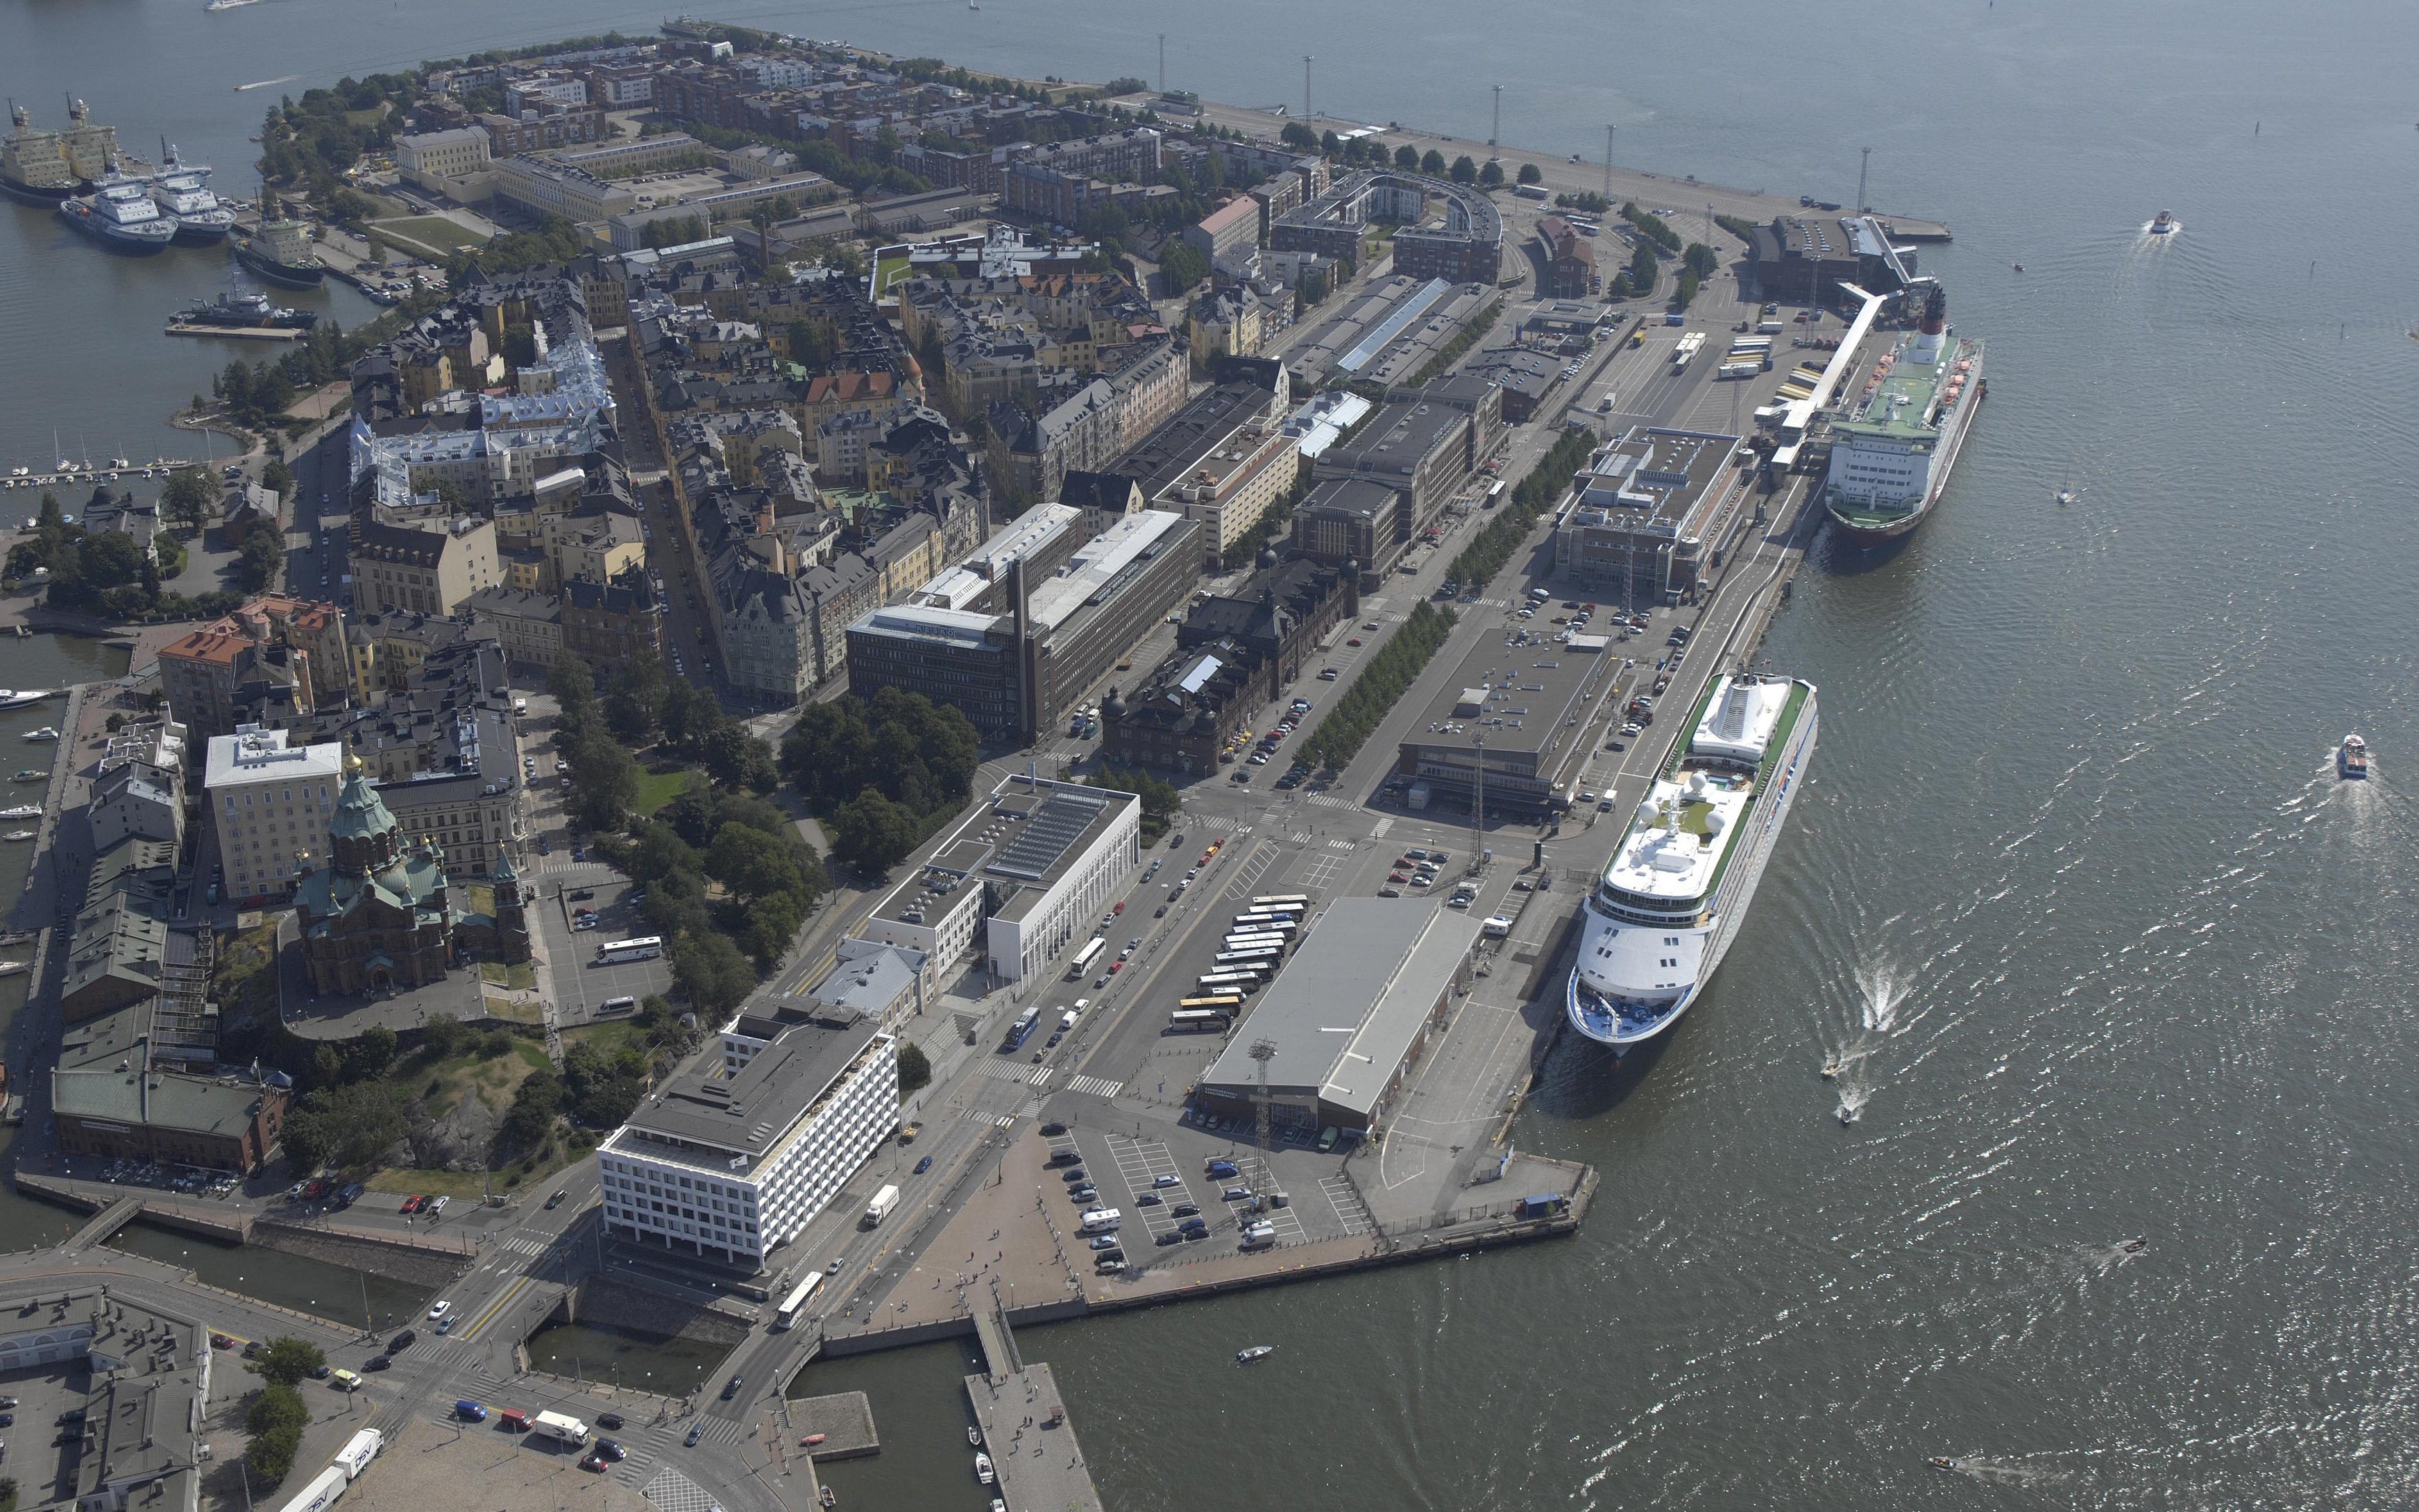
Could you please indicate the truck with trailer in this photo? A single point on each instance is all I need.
(880, 1206)
(320, 1493)
(358, 1451)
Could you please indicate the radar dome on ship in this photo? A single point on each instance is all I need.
(1696, 784)
(1647, 813)
(1714, 824)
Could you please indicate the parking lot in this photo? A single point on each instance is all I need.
(581, 982)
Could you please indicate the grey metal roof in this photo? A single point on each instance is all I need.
(1349, 1005)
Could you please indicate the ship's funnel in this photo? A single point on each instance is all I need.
(1936, 310)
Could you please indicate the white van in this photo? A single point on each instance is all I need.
(1066, 1021)
(1102, 1220)
(617, 1005)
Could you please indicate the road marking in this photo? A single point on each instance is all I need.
(672, 1491)
(1095, 1085)
(521, 1284)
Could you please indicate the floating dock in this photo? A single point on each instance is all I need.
(181, 327)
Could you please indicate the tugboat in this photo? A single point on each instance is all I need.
(244, 312)
(2351, 759)
(2163, 224)
(280, 252)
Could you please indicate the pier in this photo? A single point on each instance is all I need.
(1024, 1428)
(182, 328)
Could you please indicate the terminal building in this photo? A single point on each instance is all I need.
(1018, 670)
(1028, 871)
(1521, 705)
(1803, 260)
(725, 1164)
(1370, 985)
(1638, 531)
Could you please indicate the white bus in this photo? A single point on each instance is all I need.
(644, 948)
(1244, 939)
(796, 1302)
(1295, 901)
(1084, 957)
(1264, 924)
(1273, 912)
(1229, 981)
(1240, 960)
(1202, 1020)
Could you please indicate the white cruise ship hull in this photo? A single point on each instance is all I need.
(1613, 996)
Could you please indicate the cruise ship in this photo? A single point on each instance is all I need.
(182, 191)
(1892, 452)
(1670, 901)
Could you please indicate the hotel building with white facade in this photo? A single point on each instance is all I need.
(736, 1153)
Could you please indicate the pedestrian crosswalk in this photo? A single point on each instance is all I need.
(523, 1244)
(1012, 1071)
(1340, 846)
(1239, 827)
(1328, 800)
(1095, 1085)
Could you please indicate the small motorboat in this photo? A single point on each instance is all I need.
(2351, 759)
(46, 733)
(1850, 1114)
(2135, 1246)
(18, 835)
(2020, 267)
(23, 811)
(2163, 224)
(1257, 1351)
(31, 774)
(974, 1435)
(983, 1472)
(1940, 1463)
(1831, 1068)
(9, 968)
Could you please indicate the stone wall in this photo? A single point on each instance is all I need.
(406, 1263)
(640, 1310)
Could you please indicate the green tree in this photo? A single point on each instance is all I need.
(1529, 173)
(287, 1360)
(535, 1103)
(1298, 136)
(443, 1036)
(736, 759)
(751, 862)
(713, 974)
(1465, 169)
(351, 1126)
(259, 561)
(1701, 260)
(633, 706)
(1184, 267)
(573, 685)
(1490, 175)
(275, 1420)
(369, 1053)
(872, 833)
(188, 497)
(276, 474)
(914, 1066)
(1406, 157)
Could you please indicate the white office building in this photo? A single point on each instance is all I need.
(1045, 858)
(732, 1157)
(270, 803)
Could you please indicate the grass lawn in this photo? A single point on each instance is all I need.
(513, 1011)
(655, 788)
(432, 231)
(887, 271)
(519, 975)
(612, 1036)
(480, 900)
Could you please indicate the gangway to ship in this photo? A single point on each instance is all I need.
(1797, 415)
